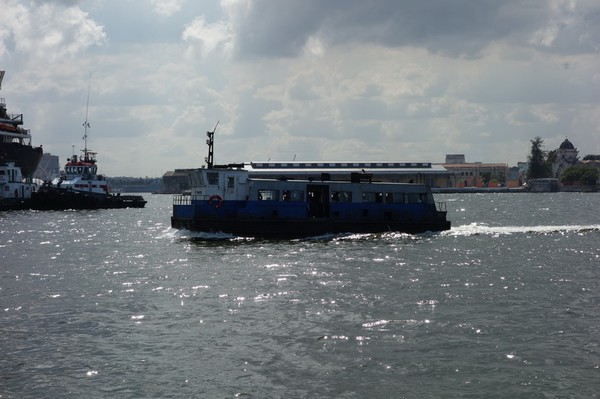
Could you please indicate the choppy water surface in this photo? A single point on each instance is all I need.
(115, 304)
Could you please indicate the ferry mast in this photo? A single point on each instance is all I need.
(211, 147)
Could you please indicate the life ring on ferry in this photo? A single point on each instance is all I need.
(215, 201)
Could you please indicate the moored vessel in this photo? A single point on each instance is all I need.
(15, 141)
(15, 191)
(227, 199)
(80, 186)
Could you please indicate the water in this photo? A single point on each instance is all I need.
(115, 304)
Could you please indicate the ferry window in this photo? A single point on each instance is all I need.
(196, 179)
(213, 178)
(368, 197)
(379, 197)
(267, 195)
(293, 195)
(297, 195)
(413, 198)
(389, 198)
(399, 198)
(230, 181)
(341, 196)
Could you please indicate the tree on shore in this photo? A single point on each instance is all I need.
(539, 167)
(584, 174)
(591, 157)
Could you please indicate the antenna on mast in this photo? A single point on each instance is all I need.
(86, 124)
(211, 147)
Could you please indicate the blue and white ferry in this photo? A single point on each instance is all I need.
(235, 199)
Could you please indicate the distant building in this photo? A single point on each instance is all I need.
(455, 159)
(475, 174)
(48, 167)
(566, 156)
(177, 181)
(514, 173)
(523, 168)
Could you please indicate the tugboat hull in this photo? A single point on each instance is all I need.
(54, 198)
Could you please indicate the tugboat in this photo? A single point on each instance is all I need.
(80, 187)
(80, 174)
(228, 199)
(15, 142)
(15, 192)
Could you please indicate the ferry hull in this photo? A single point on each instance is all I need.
(301, 228)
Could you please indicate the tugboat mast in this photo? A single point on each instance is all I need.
(86, 124)
(211, 147)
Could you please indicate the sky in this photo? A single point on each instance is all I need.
(303, 80)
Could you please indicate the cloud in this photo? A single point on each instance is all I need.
(47, 32)
(209, 37)
(167, 7)
(271, 28)
(319, 80)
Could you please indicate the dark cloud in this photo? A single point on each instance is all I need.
(68, 3)
(272, 28)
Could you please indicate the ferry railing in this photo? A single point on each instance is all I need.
(440, 206)
(182, 199)
(201, 197)
(186, 199)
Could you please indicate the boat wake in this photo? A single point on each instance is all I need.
(473, 229)
(483, 229)
(202, 236)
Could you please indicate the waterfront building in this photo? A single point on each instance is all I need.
(566, 156)
(475, 174)
(177, 181)
(48, 168)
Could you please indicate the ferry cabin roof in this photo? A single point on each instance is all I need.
(416, 172)
(299, 168)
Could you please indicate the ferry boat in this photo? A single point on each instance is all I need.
(228, 199)
(15, 142)
(15, 191)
